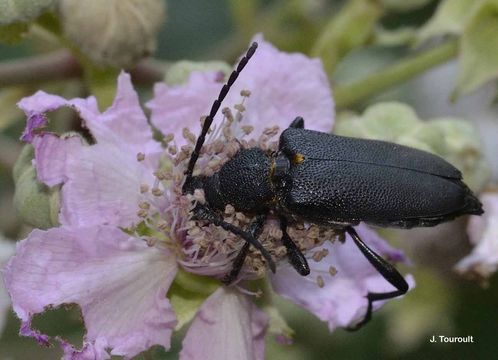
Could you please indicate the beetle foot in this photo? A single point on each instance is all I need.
(366, 318)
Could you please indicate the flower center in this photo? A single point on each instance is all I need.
(203, 248)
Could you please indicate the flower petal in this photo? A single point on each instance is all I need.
(103, 186)
(228, 326)
(175, 107)
(51, 157)
(89, 351)
(123, 123)
(34, 107)
(483, 232)
(118, 281)
(101, 181)
(6, 251)
(341, 300)
(283, 86)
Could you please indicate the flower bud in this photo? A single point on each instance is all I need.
(114, 33)
(7, 249)
(22, 10)
(37, 204)
(455, 140)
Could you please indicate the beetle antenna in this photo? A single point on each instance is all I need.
(214, 110)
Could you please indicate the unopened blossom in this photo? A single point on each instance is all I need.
(482, 262)
(23, 10)
(6, 251)
(126, 231)
(114, 33)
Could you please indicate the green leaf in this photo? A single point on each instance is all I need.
(278, 326)
(352, 27)
(477, 24)
(102, 83)
(11, 34)
(478, 61)
(450, 18)
(187, 293)
(185, 304)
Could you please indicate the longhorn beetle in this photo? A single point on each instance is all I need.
(329, 180)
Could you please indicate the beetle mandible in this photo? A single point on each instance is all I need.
(328, 180)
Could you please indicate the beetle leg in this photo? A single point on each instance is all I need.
(387, 271)
(297, 123)
(255, 229)
(202, 212)
(295, 256)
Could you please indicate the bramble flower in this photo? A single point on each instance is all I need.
(126, 242)
(482, 262)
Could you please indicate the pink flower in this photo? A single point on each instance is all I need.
(126, 234)
(482, 262)
(282, 87)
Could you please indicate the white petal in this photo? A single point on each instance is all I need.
(283, 86)
(51, 157)
(483, 232)
(341, 301)
(119, 283)
(124, 122)
(228, 326)
(103, 187)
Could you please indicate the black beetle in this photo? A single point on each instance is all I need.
(328, 180)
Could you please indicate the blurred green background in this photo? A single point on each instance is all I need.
(443, 303)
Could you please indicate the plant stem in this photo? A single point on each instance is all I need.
(348, 95)
(38, 69)
(61, 65)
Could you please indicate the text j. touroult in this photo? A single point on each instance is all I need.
(451, 339)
